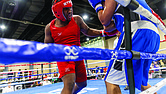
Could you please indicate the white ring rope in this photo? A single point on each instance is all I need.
(148, 91)
(161, 50)
(12, 84)
(28, 70)
(155, 88)
(18, 83)
(158, 68)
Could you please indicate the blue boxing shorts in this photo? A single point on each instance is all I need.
(145, 38)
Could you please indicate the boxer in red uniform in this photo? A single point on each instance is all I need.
(65, 29)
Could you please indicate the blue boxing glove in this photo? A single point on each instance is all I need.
(96, 4)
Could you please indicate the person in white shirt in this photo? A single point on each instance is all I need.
(46, 82)
(7, 89)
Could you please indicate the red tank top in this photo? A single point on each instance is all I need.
(67, 35)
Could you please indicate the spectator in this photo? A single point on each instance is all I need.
(150, 73)
(105, 69)
(9, 88)
(97, 69)
(162, 63)
(10, 75)
(19, 74)
(36, 83)
(156, 65)
(46, 82)
(55, 74)
(93, 74)
(99, 76)
(45, 76)
(26, 74)
(157, 71)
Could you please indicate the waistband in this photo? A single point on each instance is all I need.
(141, 24)
(135, 25)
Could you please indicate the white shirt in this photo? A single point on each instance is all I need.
(46, 83)
(8, 89)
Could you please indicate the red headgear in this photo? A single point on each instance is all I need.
(57, 8)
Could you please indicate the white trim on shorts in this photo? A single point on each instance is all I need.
(119, 77)
(142, 24)
(116, 76)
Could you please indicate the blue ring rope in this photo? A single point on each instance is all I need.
(27, 51)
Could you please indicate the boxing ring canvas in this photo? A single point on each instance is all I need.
(93, 87)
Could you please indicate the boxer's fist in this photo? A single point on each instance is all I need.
(104, 33)
(96, 4)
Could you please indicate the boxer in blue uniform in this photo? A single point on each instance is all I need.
(145, 38)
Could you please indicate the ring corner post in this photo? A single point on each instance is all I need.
(128, 45)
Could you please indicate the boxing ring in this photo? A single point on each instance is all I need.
(26, 51)
(95, 86)
(12, 50)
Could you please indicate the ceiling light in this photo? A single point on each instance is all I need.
(85, 17)
(2, 27)
(91, 18)
(12, 3)
(87, 39)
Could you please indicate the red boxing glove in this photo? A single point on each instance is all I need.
(104, 33)
(157, 16)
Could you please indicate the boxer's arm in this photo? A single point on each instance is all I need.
(86, 30)
(48, 38)
(94, 32)
(105, 15)
(110, 27)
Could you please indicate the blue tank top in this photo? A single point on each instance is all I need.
(118, 16)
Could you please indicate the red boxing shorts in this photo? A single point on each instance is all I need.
(76, 67)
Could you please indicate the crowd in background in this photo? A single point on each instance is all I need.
(97, 73)
(157, 69)
(34, 81)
